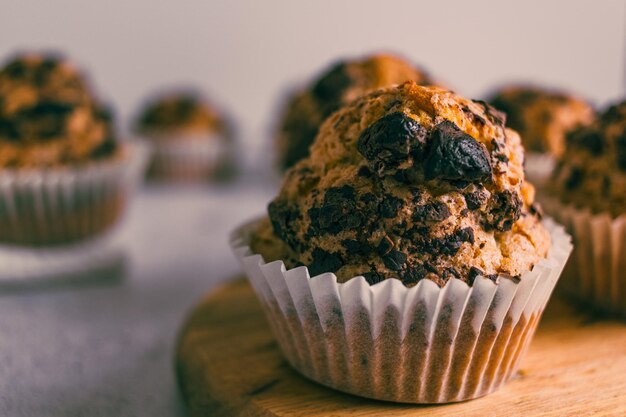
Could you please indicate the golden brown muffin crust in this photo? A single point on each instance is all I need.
(48, 115)
(343, 82)
(411, 182)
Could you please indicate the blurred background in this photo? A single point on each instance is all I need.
(246, 53)
(105, 346)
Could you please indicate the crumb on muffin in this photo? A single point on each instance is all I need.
(542, 117)
(346, 80)
(408, 182)
(49, 115)
(592, 171)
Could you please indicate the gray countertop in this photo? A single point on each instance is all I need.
(102, 344)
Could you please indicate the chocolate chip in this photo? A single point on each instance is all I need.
(364, 172)
(356, 247)
(8, 130)
(476, 199)
(44, 120)
(450, 245)
(281, 216)
(391, 141)
(450, 272)
(106, 148)
(506, 208)
(614, 113)
(413, 274)
(588, 139)
(338, 212)
(620, 145)
(324, 261)
(390, 206)
(331, 86)
(436, 212)
(536, 210)
(455, 155)
(574, 179)
(473, 274)
(44, 69)
(373, 277)
(395, 260)
(385, 246)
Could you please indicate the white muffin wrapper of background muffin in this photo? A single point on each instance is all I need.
(187, 158)
(596, 275)
(538, 167)
(423, 344)
(65, 207)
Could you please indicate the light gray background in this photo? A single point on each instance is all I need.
(246, 52)
(104, 347)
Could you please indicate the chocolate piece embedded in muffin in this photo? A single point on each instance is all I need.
(178, 113)
(48, 115)
(542, 117)
(346, 80)
(410, 182)
(592, 171)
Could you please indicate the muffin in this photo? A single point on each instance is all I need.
(64, 174)
(587, 193)
(305, 110)
(192, 139)
(417, 262)
(542, 117)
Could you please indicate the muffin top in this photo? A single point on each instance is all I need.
(173, 114)
(49, 116)
(343, 82)
(409, 182)
(542, 117)
(592, 171)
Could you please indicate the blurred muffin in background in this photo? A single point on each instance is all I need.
(346, 80)
(542, 117)
(192, 138)
(63, 173)
(587, 193)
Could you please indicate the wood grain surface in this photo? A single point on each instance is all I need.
(229, 365)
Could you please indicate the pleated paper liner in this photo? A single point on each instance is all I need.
(187, 159)
(423, 344)
(596, 275)
(538, 167)
(51, 207)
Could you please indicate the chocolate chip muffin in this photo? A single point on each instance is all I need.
(592, 171)
(64, 175)
(177, 113)
(542, 117)
(346, 80)
(193, 140)
(409, 182)
(49, 117)
(587, 193)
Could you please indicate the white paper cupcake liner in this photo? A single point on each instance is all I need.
(596, 273)
(188, 158)
(538, 167)
(46, 207)
(423, 344)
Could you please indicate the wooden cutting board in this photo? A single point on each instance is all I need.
(229, 365)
